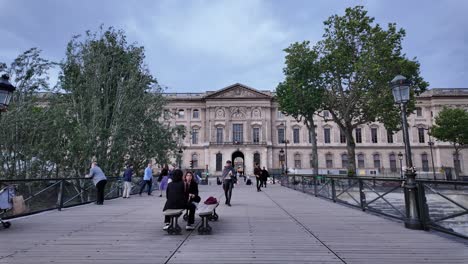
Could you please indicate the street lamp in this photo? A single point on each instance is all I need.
(401, 93)
(400, 157)
(431, 145)
(6, 92)
(281, 158)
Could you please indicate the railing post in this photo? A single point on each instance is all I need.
(303, 181)
(60, 196)
(362, 195)
(294, 181)
(333, 190)
(315, 185)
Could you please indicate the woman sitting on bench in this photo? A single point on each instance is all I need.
(175, 194)
(191, 191)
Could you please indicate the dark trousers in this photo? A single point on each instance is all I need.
(264, 182)
(191, 214)
(227, 186)
(100, 191)
(259, 183)
(143, 185)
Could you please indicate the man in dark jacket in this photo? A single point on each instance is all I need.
(265, 176)
(258, 176)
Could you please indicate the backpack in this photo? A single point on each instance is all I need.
(248, 182)
(218, 181)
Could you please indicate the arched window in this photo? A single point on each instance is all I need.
(377, 161)
(219, 162)
(344, 161)
(181, 114)
(297, 161)
(329, 160)
(256, 158)
(196, 114)
(393, 166)
(195, 160)
(424, 162)
(361, 163)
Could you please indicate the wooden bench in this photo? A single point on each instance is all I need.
(207, 212)
(174, 215)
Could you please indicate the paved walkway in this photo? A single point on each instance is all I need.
(277, 225)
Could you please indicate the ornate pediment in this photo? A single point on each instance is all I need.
(238, 91)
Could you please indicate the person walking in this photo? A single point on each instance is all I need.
(265, 176)
(191, 192)
(175, 195)
(258, 176)
(99, 180)
(164, 179)
(228, 179)
(127, 179)
(147, 179)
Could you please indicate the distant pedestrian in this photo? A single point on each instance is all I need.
(265, 176)
(147, 179)
(175, 194)
(127, 179)
(191, 192)
(258, 176)
(164, 178)
(99, 180)
(228, 179)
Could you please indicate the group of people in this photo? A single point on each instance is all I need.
(261, 175)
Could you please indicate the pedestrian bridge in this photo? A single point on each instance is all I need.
(277, 225)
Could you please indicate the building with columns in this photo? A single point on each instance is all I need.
(245, 125)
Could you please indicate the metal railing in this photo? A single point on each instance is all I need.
(443, 205)
(48, 194)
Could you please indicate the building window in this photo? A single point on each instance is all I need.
(181, 114)
(421, 134)
(377, 161)
(196, 114)
(194, 136)
(389, 136)
(256, 158)
(296, 135)
(456, 163)
(280, 135)
(326, 114)
(219, 162)
(297, 161)
(194, 161)
(280, 115)
(237, 133)
(256, 135)
(424, 162)
(219, 135)
(326, 135)
(393, 166)
(418, 111)
(342, 137)
(361, 162)
(358, 135)
(374, 135)
(344, 161)
(329, 160)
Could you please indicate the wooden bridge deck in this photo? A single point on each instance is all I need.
(277, 225)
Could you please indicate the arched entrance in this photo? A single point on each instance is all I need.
(238, 161)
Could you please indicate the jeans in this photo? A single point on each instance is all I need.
(127, 189)
(100, 191)
(150, 185)
(259, 183)
(227, 186)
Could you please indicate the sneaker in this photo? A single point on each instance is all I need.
(166, 226)
(189, 227)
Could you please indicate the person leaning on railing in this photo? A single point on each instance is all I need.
(99, 180)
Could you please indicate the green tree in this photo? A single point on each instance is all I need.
(300, 95)
(358, 58)
(451, 125)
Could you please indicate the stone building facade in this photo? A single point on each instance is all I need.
(245, 125)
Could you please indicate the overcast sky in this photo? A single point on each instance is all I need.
(195, 46)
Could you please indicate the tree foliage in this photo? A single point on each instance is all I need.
(300, 95)
(451, 125)
(357, 59)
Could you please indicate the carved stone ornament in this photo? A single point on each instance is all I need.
(237, 113)
(256, 114)
(220, 113)
(238, 92)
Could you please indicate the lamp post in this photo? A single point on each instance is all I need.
(400, 157)
(431, 145)
(401, 93)
(286, 142)
(180, 157)
(6, 92)
(281, 158)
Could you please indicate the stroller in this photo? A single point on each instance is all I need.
(6, 202)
